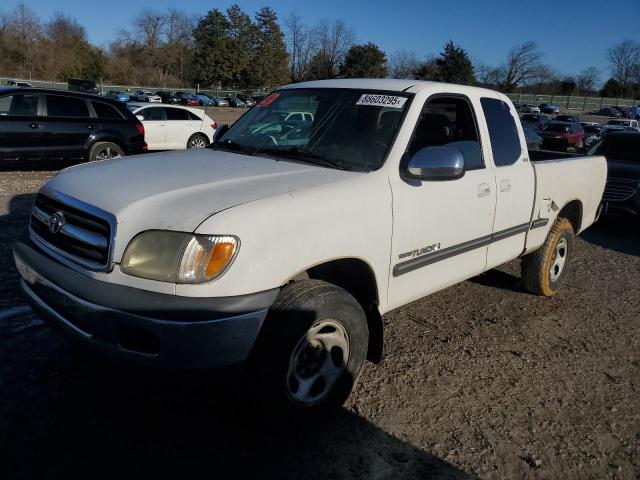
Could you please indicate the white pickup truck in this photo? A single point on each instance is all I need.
(281, 245)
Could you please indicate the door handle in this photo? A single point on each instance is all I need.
(484, 189)
(505, 185)
(34, 125)
(91, 127)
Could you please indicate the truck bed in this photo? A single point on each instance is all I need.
(563, 179)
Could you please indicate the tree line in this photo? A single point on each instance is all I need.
(232, 49)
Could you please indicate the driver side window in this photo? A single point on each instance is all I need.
(449, 122)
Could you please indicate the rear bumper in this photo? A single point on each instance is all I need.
(137, 325)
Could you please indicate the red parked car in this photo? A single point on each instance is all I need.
(562, 136)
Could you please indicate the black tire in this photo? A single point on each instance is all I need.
(197, 140)
(540, 272)
(302, 308)
(105, 151)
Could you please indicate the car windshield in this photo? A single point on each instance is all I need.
(554, 127)
(617, 122)
(337, 128)
(618, 147)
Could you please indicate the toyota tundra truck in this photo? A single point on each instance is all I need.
(280, 246)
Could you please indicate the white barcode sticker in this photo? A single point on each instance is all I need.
(382, 100)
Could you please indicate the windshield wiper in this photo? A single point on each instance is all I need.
(231, 146)
(297, 153)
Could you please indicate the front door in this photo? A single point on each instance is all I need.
(22, 131)
(441, 229)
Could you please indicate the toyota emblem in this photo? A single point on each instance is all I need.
(56, 220)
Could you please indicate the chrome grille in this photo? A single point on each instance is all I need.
(64, 226)
(619, 189)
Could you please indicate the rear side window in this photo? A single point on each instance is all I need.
(505, 142)
(153, 113)
(177, 114)
(19, 105)
(58, 106)
(106, 112)
(193, 116)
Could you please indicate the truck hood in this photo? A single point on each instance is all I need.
(179, 190)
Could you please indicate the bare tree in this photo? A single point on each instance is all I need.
(178, 30)
(334, 39)
(300, 43)
(65, 30)
(27, 31)
(487, 75)
(149, 28)
(523, 66)
(403, 64)
(624, 59)
(588, 79)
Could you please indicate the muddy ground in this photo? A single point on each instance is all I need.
(479, 380)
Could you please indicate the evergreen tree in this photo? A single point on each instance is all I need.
(214, 50)
(242, 33)
(270, 65)
(454, 65)
(612, 88)
(365, 61)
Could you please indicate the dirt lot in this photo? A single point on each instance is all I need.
(480, 380)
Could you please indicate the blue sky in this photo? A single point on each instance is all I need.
(572, 34)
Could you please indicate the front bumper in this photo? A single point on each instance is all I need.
(137, 325)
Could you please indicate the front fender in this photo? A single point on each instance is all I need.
(291, 232)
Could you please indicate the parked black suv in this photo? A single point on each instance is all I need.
(622, 151)
(43, 124)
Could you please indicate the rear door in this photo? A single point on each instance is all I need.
(22, 130)
(155, 123)
(180, 126)
(515, 182)
(70, 124)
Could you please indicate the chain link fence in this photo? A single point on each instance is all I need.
(567, 102)
(104, 88)
(585, 104)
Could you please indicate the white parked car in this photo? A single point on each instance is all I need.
(622, 124)
(284, 249)
(527, 108)
(149, 97)
(174, 127)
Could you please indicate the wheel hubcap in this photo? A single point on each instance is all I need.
(316, 363)
(107, 153)
(198, 143)
(559, 259)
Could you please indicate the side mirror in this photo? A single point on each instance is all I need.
(140, 117)
(435, 164)
(220, 131)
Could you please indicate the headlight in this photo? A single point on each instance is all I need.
(179, 257)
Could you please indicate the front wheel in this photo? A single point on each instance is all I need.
(544, 269)
(311, 349)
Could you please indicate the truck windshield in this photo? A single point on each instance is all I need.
(336, 128)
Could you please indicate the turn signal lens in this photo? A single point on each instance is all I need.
(206, 258)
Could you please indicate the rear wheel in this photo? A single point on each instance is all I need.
(105, 151)
(544, 269)
(197, 140)
(311, 349)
